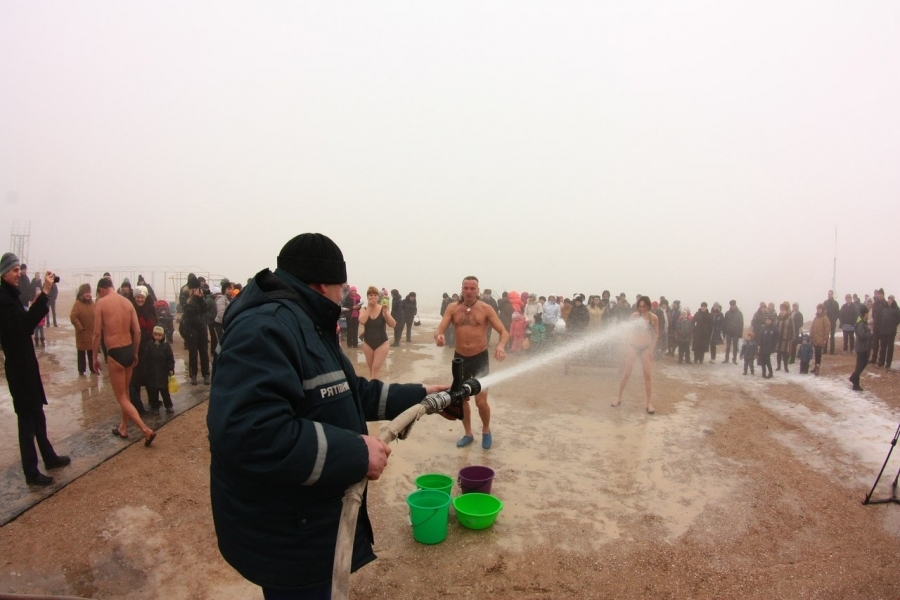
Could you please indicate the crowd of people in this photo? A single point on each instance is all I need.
(287, 413)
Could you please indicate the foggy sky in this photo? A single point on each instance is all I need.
(701, 150)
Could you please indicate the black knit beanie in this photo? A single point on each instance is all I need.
(313, 258)
(193, 283)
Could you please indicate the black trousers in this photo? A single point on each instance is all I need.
(153, 396)
(353, 332)
(862, 359)
(409, 325)
(198, 347)
(849, 339)
(779, 356)
(818, 352)
(33, 426)
(398, 331)
(766, 362)
(731, 344)
(833, 326)
(886, 349)
(873, 351)
(712, 351)
(684, 352)
(85, 361)
(749, 363)
(698, 356)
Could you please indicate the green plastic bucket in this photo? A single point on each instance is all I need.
(477, 511)
(429, 511)
(435, 481)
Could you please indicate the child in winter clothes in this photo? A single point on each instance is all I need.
(159, 363)
(683, 330)
(768, 342)
(749, 350)
(537, 333)
(804, 353)
(517, 331)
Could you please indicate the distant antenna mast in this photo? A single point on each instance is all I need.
(834, 271)
(18, 240)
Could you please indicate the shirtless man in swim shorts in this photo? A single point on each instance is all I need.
(471, 318)
(115, 320)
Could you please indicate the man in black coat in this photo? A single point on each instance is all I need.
(832, 311)
(887, 332)
(23, 373)
(878, 304)
(734, 330)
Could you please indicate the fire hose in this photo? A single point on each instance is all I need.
(450, 403)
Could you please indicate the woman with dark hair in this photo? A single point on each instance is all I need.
(863, 345)
(82, 318)
(397, 313)
(375, 317)
(641, 339)
(147, 318)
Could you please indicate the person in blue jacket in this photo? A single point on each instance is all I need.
(287, 425)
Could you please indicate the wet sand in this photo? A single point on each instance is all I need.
(736, 487)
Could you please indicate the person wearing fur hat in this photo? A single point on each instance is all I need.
(23, 374)
(287, 425)
(82, 318)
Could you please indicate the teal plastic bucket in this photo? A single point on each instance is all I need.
(429, 511)
(435, 481)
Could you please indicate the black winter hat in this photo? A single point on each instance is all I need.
(313, 258)
(193, 283)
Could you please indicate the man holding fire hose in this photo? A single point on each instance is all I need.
(287, 425)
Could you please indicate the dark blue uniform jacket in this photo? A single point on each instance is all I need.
(286, 411)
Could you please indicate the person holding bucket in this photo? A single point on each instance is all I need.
(471, 318)
(287, 425)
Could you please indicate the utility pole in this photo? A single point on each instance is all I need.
(19, 240)
(834, 271)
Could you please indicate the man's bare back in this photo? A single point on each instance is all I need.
(117, 321)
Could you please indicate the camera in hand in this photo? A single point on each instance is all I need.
(56, 279)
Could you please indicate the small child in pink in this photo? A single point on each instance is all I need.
(517, 332)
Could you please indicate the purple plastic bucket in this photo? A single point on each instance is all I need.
(475, 479)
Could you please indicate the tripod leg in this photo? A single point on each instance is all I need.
(868, 499)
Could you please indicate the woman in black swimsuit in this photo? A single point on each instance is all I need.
(642, 337)
(375, 341)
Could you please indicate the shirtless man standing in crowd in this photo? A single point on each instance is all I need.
(471, 318)
(115, 320)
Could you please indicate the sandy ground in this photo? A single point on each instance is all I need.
(736, 487)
